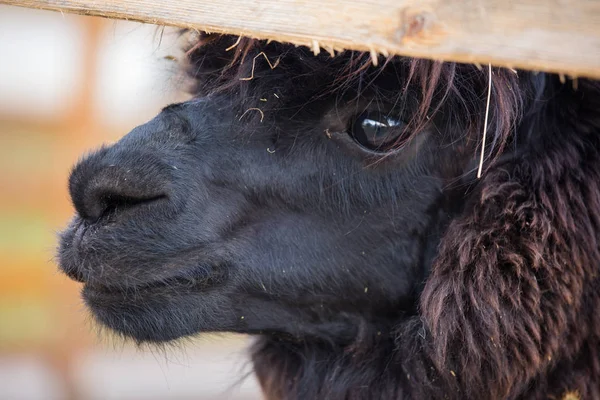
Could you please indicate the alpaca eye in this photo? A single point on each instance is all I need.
(376, 131)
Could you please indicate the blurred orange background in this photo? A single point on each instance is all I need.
(68, 84)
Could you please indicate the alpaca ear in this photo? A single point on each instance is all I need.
(511, 273)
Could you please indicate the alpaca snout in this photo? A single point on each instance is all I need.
(110, 182)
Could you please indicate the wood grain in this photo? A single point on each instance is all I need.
(548, 35)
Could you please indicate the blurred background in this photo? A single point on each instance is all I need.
(68, 84)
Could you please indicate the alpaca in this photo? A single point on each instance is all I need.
(332, 209)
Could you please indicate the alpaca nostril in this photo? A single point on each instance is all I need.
(108, 203)
(98, 190)
(99, 200)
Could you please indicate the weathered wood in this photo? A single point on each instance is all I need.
(548, 35)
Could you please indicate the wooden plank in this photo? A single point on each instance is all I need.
(548, 35)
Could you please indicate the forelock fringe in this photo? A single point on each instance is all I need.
(233, 59)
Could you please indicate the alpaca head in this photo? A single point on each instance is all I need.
(332, 207)
(307, 201)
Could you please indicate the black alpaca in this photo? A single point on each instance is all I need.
(332, 209)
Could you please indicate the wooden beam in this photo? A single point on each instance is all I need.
(560, 36)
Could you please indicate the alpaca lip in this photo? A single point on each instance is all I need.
(79, 232)
(191, 281)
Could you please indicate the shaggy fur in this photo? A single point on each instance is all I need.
(386, 274)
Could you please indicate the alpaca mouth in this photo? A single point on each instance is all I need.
(195, 280)
(107, 275)
(176, 282)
